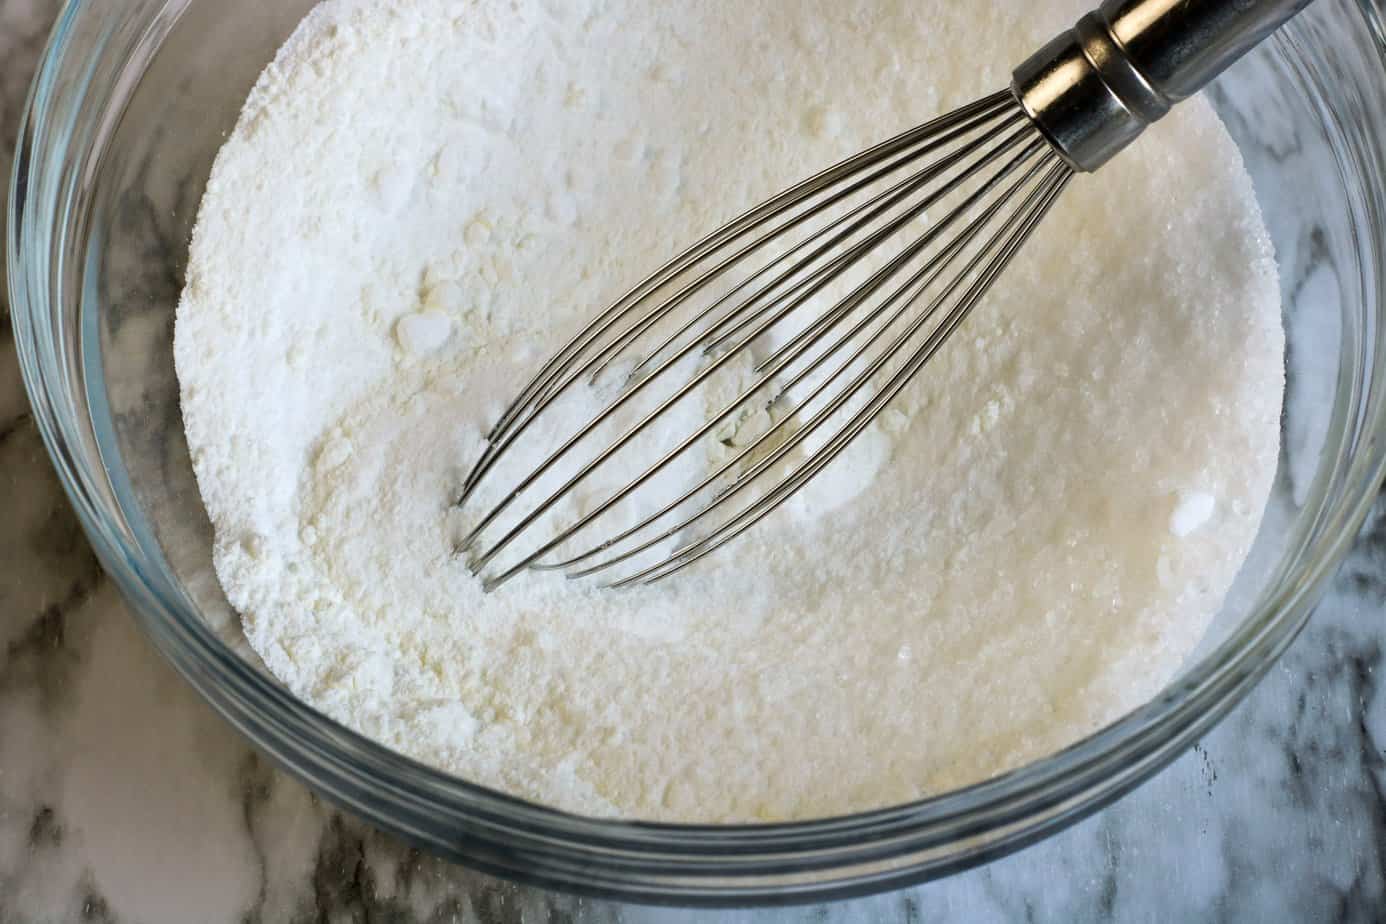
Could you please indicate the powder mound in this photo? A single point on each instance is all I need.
(423, 198)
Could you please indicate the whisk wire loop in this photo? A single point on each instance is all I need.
(874, 208)
(906, 293)
(787, 354)
(688, 554)
(881, 284)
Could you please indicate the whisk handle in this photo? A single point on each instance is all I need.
(1095, 87)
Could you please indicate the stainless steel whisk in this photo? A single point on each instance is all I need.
(838, 291)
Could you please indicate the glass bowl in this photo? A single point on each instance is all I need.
(129, 107)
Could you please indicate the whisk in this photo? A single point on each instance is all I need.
(748, 363)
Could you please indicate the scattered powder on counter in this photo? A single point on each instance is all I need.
(424, 198)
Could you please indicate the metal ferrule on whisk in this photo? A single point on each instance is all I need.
(1093, 89)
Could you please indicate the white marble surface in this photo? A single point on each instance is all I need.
(124, 799)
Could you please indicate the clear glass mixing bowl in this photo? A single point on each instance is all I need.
(129, 107)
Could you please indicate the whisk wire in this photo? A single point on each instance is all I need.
(991, 154)
(688, 554)
(838, 264)
(791, 351)
(879, 205)
(855, 253)
(822, 416)
(918, 283)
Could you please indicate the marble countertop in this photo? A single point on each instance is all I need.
(123, 798)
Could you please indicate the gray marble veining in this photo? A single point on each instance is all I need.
(123, 798)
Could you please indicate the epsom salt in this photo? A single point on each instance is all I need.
(423, 198)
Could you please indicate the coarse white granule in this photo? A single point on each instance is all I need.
(423, 198)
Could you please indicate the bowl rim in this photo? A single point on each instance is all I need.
(521, 840)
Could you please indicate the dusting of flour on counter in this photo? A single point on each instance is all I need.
(423, 198)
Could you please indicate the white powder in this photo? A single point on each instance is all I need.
(423, 198)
